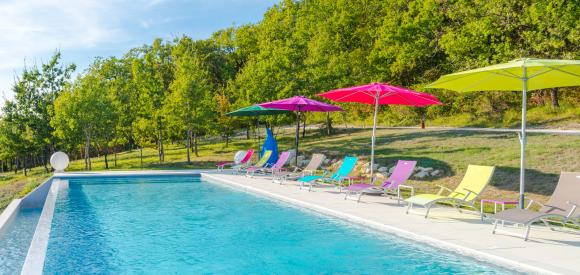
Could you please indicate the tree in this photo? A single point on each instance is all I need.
(152, 71)
(84, 112)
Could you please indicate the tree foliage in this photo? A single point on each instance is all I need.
(176, 91)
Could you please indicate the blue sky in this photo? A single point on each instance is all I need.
(31, 30)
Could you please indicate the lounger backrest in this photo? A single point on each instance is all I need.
(401, 174)
(315, 162)
(265, 157)
(567, 190)
(281, 160)
(347, 165)
(248, 156)
(475, 180)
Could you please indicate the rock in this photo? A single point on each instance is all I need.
(391, 170)
(421, 175)
(382, 169)
(428, 169)
(333, 153)
(436, 173)
(303, 163)
(300, 159)
(326, 161)
(380, 178)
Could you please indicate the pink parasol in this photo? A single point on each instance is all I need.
(381, 94)
(300, 104)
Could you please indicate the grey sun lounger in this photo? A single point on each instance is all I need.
(312, 167)
(563, 207)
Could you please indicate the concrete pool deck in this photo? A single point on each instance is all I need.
(546, 251)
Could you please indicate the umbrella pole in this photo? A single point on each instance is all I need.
(523, 139)
(258, 133)
(297, 136)
(374, 135)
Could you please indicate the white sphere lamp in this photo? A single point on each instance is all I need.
(59, 161)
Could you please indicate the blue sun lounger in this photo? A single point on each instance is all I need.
(336, 178)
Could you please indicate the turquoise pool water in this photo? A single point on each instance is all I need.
(185, 225)
(15, 240)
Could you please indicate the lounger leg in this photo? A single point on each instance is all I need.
(409, 206)
(527, 233)
(398, 195)
(359, 196)
(494, 226)
(427, 212)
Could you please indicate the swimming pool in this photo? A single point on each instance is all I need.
(185, 224)
(15, 240)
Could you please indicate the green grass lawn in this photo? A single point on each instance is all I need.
(450, 151)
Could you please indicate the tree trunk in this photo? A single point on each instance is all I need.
(304, 126)
(423, 118)
(141, 155)
(248, 132)
(115, 152)
(187, 145)
(45, 160)
(106, 155)
(195, 144)
(24, 162)
(161, 150)
(554, 97)
(328, 124)
(88, 152)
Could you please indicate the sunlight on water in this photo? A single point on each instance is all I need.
(184, 224)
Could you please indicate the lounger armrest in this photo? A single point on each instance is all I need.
(401, 186)
(574, 207)
(532, 202)
(296, 169)
(469, 192)
(442, 188)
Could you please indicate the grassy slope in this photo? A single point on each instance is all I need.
(565, 117)
(447, 150)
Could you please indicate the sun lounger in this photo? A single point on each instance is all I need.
(475, 180)
(261, 162)
(337, 178)
(310, 169)
(563, 207)
(392, 186)
(276, 167)
(245, 161)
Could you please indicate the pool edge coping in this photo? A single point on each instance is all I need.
(36, 255)
(9, 213)
(434, 242)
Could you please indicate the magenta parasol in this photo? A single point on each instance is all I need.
(381, 94)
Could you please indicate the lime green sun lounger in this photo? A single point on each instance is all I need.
(475, 180)
(261, 162)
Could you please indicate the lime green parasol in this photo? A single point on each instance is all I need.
(526, 74)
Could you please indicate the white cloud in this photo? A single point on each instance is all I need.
(33, 29)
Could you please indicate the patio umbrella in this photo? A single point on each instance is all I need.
(380, 94)
(256, 110)
(300, 104)
(526, 74)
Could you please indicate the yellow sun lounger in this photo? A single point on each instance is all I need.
(475, 180)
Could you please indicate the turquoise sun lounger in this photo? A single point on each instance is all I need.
(336, 178)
